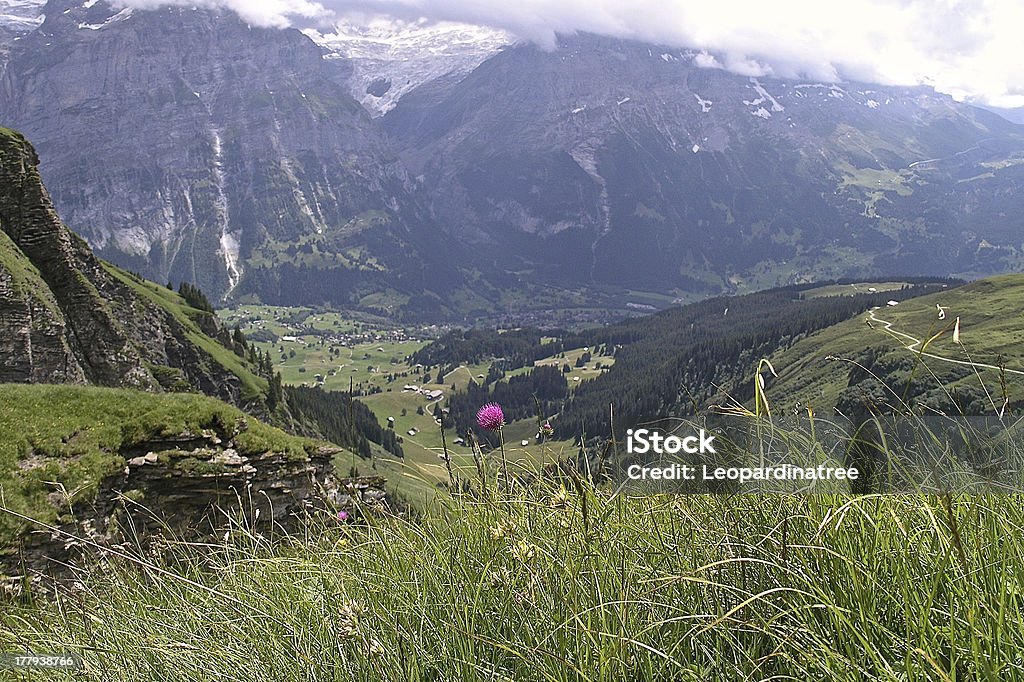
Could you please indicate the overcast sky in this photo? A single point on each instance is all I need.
(970, 49)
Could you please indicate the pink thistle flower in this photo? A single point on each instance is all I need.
(547, 429)
(343, 516)
(490, 417)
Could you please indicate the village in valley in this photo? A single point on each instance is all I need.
(372, 358)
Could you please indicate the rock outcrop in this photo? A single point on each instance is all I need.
(184, 487)
(67, 317)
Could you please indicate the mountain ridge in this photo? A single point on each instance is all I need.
(541, 180)
(624, 158)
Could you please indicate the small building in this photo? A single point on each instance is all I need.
(434, 395)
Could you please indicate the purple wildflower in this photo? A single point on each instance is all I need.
(490, 417)
(343, 516)
(547, 429)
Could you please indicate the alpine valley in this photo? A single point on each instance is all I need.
(323, 348)
(313, 168)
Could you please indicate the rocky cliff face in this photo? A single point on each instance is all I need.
(69, 318)
(36, 344)
(188, 146)
(189, 494)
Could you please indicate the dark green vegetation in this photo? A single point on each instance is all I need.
(575, 585)
(677, 362)
(195, 297)
(341, 420)
(539, 392)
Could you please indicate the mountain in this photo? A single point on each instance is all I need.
(387, 60)
(68, 317)
(1015, 114)
(188, 146)
(621, 164)
(541, 185)
(18, 17)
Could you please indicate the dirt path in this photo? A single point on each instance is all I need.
(916, 342)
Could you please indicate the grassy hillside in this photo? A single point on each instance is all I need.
(253, 386)
(814, 371)
(25, 277)
(66, 439)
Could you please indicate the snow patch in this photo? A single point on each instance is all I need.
(871, 104)
(579, 109)
(21, 16)
(764, 96)
(623, 101)
(695, 148)
(705, 104)
(406, 54)
(761, 113)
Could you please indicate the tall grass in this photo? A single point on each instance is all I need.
(536, 588)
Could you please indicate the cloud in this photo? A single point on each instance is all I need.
(971, 49)
(707, 61)
(266, 13)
